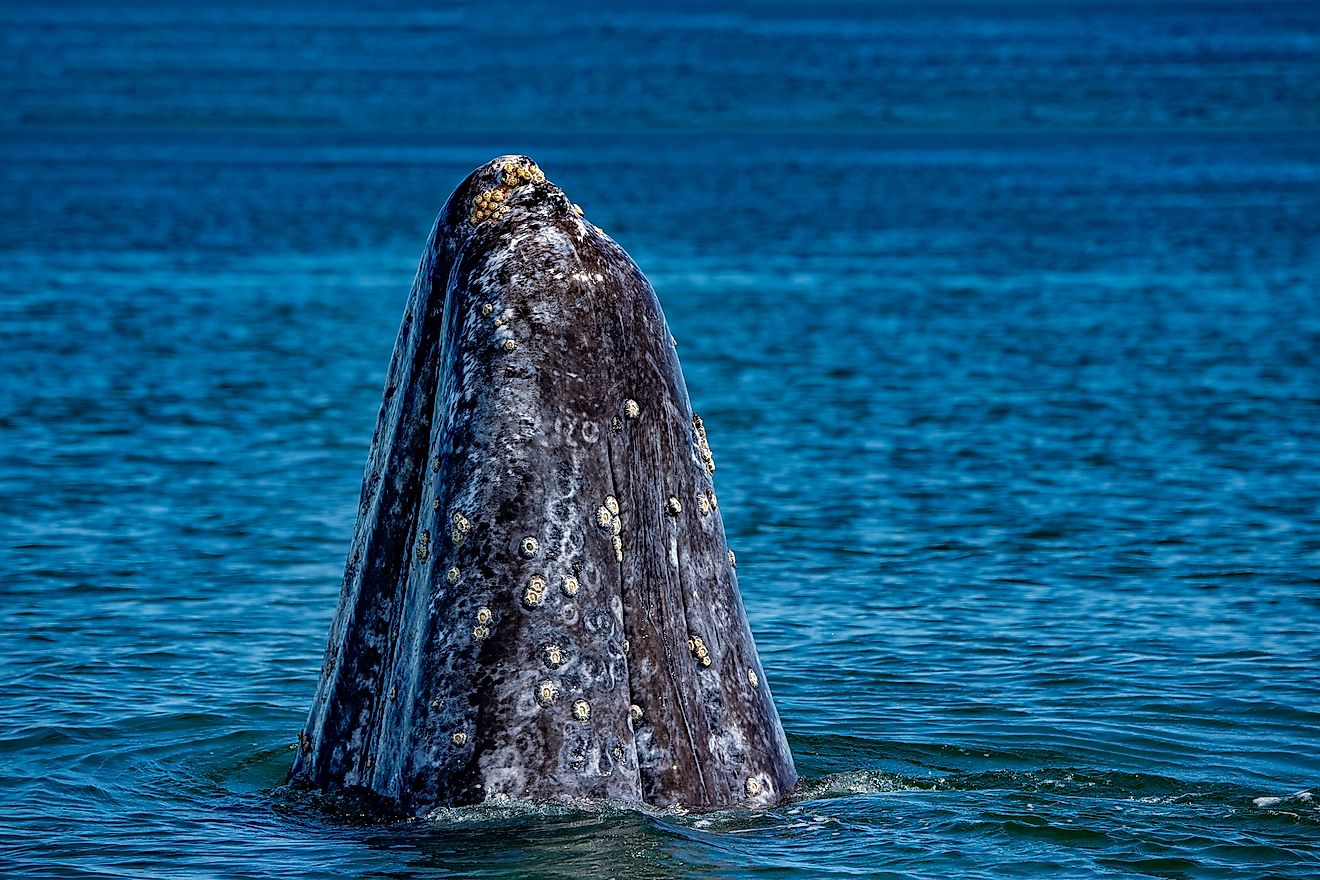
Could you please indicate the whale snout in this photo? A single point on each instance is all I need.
(491, 193)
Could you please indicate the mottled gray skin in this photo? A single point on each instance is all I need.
(534, 381)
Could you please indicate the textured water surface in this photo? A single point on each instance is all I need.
(1017, 422)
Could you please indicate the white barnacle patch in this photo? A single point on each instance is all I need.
(459, 739)
(752, 786)
(510, 344)
(480, 632)
(625, 646)
(733, 560)
(612, 504)
(529, 547)
(673, 506)
(547, 692)
(423, 549)
(487, 309)
(484, 615)
(752, 678)
(604, 517)
(459, 529)
(631, 409)
(635, 713)
(581, 710)
(553, 655)
(453, 574)
(570, 586)
(703, 505)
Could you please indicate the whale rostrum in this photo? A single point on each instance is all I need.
(539, 601)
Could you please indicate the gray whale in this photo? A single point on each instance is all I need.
(539, 601)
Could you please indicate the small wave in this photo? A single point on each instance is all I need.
(1294, 799)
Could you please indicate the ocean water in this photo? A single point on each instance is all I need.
(1004, 320)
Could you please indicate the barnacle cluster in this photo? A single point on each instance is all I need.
(607, 517)
(535, 591)
(698, 648)
(703, 445)
(488, 203)
(459, 528)
(492, 203)
(481, 631)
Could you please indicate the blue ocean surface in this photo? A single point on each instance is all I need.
(1003, 318)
